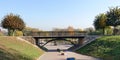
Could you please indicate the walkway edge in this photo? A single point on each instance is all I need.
(42, 55)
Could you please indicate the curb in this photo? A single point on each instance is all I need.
(42, 55)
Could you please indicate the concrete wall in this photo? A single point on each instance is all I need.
(29, 39)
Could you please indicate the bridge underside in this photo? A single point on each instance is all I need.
(79, 39)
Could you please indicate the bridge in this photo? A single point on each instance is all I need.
(77, 38)
(74, 37)
(56, 33)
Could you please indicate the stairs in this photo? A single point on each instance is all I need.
(73, 47)
(87, 40)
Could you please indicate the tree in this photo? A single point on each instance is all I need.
(100, 22)
(12, 23)
(113, 17)
(28, 30)
(89, 30)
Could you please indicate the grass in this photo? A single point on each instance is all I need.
(13, 49)
(106, 48)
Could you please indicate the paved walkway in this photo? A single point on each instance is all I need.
(53, 55)
(62, 47)
(57, 56)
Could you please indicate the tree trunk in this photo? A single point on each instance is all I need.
(9, 32)
(13, 33)
(103, 31)
(113, 30)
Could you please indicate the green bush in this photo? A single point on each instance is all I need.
(97, 32)
(108, 31)
(18, 33)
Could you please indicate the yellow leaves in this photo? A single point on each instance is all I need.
(102, 20)
(13, 21)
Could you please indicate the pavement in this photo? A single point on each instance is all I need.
(54, 55)
(68, 54)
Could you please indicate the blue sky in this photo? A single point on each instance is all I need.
(49, 14)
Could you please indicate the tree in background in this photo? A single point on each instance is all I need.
(12, 23)
(100, 22)
(113, 18)
(28, 30)
(89, 30)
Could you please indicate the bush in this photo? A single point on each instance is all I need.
(97, 32)
(18, 33)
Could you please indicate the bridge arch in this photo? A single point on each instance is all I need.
(58, 39)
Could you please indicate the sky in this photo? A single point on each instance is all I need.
(49, 14)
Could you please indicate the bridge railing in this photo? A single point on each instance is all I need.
(57, 33)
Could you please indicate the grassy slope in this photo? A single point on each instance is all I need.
(107, 48)
(13, 49)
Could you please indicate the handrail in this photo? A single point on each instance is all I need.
(57, 33)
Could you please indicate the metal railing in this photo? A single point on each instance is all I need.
(57, 33)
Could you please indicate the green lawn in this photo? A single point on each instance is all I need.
(107, 48)
(13, 49)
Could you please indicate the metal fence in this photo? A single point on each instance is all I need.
(57, 33)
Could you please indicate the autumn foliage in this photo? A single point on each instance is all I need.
(12, 23)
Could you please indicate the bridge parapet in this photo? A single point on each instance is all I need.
(57, 33)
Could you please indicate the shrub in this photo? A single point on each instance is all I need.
(18, 33)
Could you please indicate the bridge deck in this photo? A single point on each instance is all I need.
(58, 36)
